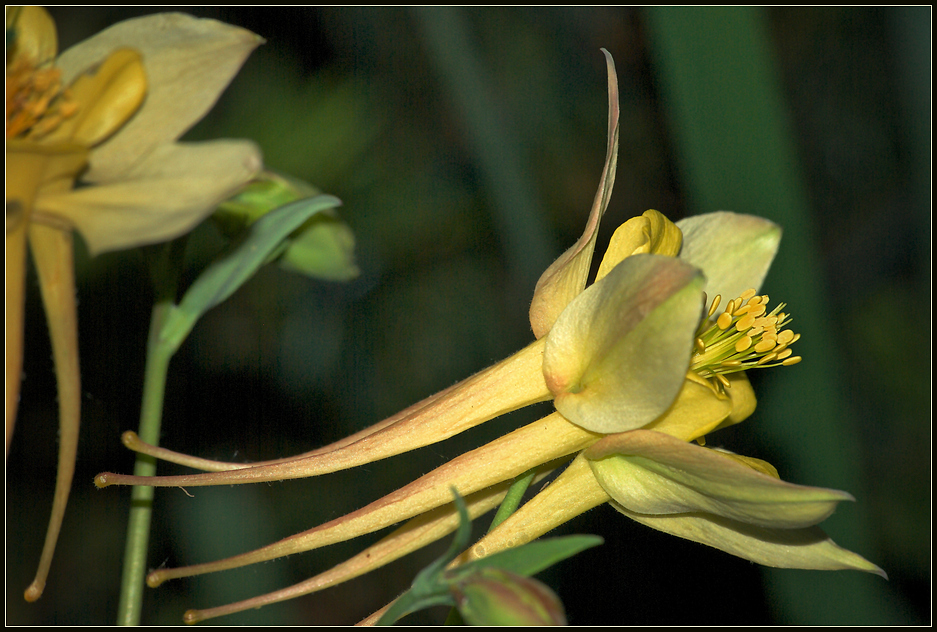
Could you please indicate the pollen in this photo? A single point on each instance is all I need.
(743, 336)
(36, 102)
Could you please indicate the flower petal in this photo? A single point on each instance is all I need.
(188, 62)
(106, 98)
(567, 276)
(171, 191)
(618, 355)
(808, 548)
(733, 251)
(653, 473)
(651, 233)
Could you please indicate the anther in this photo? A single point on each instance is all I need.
(745, 323)
(715, 305)
(767, 344)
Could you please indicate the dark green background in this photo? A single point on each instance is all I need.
(466, 145)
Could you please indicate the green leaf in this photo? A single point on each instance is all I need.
(238, 263)
(531, 558)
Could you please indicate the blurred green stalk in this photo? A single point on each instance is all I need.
(165, 268)
(734, 142)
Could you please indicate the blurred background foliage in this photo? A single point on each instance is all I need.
(466, 145)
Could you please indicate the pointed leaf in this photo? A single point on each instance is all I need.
(533, 557)
(232, 269)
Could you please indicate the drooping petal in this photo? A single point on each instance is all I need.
(188, 62)
(808, 548)
(650, 233)
(618, 355)
(169, 192)
(653, 473)
(567, 276)
(734, 251)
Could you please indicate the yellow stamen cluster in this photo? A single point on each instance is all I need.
(36, 102)
(742, 337)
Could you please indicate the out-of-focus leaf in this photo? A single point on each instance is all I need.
(238, 263)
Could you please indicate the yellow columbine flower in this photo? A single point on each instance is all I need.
(91, 146)
(616, 358)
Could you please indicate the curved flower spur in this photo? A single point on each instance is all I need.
(633, 363)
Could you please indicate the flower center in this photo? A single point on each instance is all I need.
(36, 101)
(742, 337)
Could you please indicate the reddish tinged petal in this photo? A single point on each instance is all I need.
(415, 534)
(505, 458)
(618, 355)
(567, 276)
(506, 386)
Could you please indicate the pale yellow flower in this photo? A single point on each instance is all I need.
(91, 146)
(627, 354)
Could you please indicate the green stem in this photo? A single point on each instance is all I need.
(141, 498)
(512, 499)
(165, 269)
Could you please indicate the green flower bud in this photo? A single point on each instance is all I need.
(492, 596)
(322, 247)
